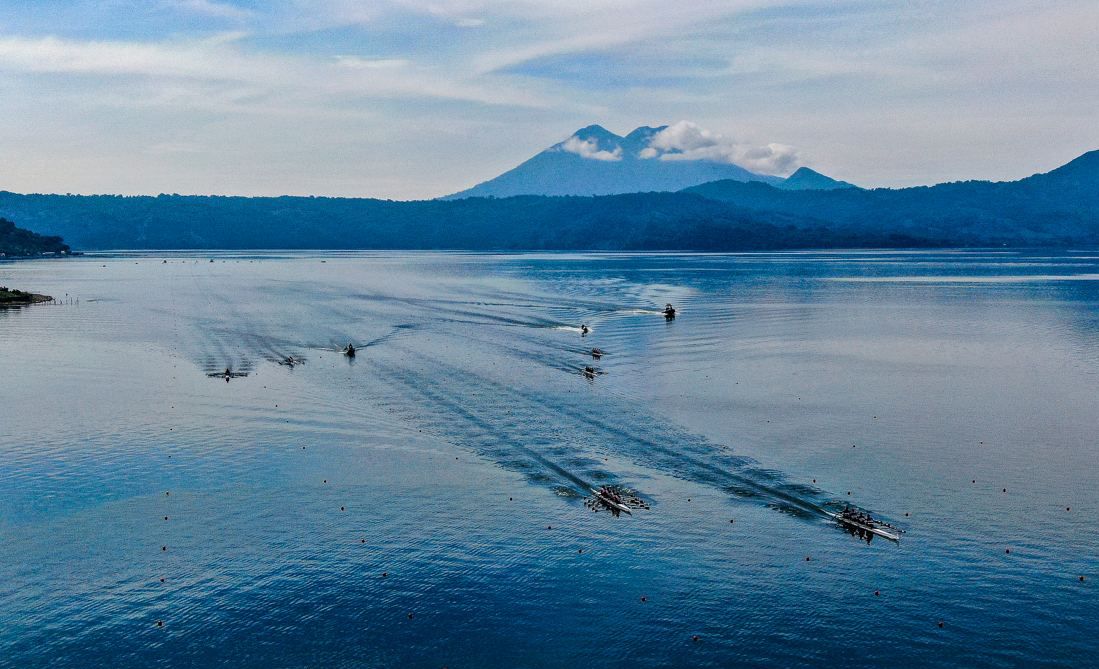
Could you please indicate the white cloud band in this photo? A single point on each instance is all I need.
(590, 149)
(688, 141)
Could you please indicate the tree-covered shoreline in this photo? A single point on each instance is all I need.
(16, 242)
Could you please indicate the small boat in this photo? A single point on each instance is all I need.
(597, 353)
(609, 501)
(867, 524)
(584, 329)
(669, 311)
(349, 350)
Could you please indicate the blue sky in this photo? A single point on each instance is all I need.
(407, 99)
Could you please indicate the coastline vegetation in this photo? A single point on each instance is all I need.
(1056, 209)
(11, 297)
(17, 242)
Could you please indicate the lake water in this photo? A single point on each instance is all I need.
(422, 504)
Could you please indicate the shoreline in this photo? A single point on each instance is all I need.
(18, 298)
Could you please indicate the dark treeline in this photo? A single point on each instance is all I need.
(617, 222)
(19, 242)
(1058, 208)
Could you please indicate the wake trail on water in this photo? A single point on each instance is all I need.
(551, 438)
(504, 389)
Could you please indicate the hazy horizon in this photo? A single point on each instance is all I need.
(408, 100)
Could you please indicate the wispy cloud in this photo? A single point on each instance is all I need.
(436, 94)
(221, 58)
(210, 8)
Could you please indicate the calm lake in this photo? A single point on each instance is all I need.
(422, 504)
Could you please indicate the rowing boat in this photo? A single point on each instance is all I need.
(606, 499)
(866, 527)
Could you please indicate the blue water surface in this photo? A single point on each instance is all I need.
(422, 505)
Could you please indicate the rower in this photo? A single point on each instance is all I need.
(669, 311)
(350, 350)
(584, 329)
(596, 353)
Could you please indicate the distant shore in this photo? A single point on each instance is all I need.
(18, 298)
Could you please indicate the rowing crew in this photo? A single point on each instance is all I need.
(610, 497)
(609, 493)
(854, 516)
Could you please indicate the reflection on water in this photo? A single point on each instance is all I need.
(426, 502)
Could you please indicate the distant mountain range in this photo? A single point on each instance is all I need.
(1052, 208)
(595, 161)
(1058, 208)
(807, 179)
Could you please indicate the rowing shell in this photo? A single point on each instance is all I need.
(868, 528)
(611, 503)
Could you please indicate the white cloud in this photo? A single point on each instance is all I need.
(270, 80)
(883, 93)
(689, 141)
(590, 149)
(167, 148)
(210, 8)
(358, 63)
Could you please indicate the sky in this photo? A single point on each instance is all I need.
(404, 99)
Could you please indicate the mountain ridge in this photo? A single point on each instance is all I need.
(805, 178)
(1059, 208)
(596, 161)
